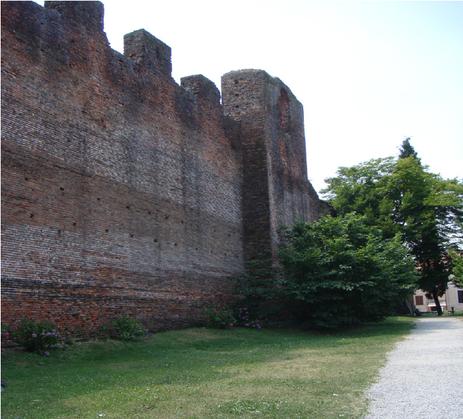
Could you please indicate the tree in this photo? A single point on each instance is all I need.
(457, 266)
(407, 150)
(340, 271)
(363, 189)
(402, 196)
(411, 189)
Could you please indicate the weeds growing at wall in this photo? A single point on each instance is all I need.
(125, 328)
(37, 336)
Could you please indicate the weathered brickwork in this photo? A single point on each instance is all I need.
(276, 191)
(124, 192)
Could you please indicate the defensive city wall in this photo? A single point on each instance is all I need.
(126, 193)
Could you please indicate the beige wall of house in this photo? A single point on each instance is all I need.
(453, 297)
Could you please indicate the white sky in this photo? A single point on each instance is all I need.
(369, 74)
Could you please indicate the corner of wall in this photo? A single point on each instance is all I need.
(276, 191)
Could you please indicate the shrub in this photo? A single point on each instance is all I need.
(6, 331)
(126, 328)
(36, 336)
(257, 289)
(220, 318)
(244, 319)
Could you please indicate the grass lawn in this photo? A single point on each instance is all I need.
(200, 373)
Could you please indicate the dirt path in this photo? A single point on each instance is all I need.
(423, 377)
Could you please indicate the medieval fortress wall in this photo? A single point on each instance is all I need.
(125, 193)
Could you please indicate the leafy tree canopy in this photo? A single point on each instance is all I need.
(401, 196)
(340, 271)
(407, 150)
(457, 265)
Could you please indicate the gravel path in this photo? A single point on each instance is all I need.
(423, 376)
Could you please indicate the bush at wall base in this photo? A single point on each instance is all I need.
(126, 328)
(36, 336)
(220, 318)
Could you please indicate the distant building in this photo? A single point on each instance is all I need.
(452, 300)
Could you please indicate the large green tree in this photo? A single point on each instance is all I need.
(340, 271)
(363, 189)
(402, 196)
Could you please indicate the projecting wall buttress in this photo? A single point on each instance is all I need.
(276, 191)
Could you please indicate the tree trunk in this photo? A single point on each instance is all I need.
(436, 300)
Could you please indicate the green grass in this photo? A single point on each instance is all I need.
(200, 373)
(455, 314)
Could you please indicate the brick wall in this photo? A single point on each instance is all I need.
(276, 191)
(121, 191)
(124, 192)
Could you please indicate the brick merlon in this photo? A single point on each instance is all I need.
(89, 14)
(202, 88)
(149, 52)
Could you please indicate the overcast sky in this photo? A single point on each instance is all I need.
(369, 74)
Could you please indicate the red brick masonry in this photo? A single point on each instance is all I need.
(124, 192)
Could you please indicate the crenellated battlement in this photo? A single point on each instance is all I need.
(126, 193)
(148, 52)
(71, 32)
